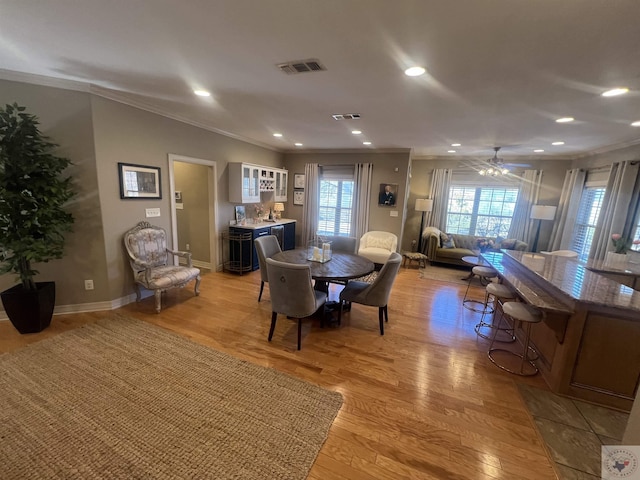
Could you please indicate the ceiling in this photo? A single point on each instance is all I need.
(499, 72)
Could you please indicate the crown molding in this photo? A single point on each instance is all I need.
(44, 81)
(374, 151)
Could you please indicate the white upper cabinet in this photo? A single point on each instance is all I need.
(244, 183)
(281, 186)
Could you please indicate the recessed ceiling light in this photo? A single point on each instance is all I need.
(456, 144)
(539, 150)
(636, 124)
(297, 144)
(278, 135)
(615, 92)
(557, 143)
(356, 132)
(451, 151)
(366, 143)
(565, 120)
(202, 93)
(414, 71)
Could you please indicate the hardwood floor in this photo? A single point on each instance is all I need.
(421, 402)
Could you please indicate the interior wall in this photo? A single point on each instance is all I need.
(65, 116)
(191, 181)
(128, 134)
(388, 167)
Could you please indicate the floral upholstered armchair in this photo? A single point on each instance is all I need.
(152, 262)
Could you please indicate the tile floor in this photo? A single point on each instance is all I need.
(574, 431)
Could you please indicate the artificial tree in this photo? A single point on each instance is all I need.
(33, 195)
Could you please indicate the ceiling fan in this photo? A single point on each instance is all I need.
(496, 166)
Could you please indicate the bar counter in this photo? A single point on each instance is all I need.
(589, 339)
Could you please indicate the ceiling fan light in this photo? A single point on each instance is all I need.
(504, 171)
(482, 172)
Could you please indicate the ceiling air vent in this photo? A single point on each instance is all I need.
(301, 66)
(346, 116)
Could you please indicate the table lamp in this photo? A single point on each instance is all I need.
(278, 207)
(422, 205)
(541, 212)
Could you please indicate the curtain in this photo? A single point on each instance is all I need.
(362, 199)
(617, 207)
(311, 202)
(567, 209)
(440, 183)
(527, 196)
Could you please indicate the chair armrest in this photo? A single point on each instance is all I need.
(430, 246)
(179, 253)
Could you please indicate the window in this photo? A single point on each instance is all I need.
(481, 211)
(588, 213)
(336, 202)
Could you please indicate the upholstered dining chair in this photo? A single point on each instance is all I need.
(375, 294)
(152, 262)
(377, 246)
(342, 244)
(266, 247)
(292, 293)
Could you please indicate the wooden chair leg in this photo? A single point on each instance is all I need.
(261, 289)
(386, 314)
(380, 319)
(299, 332)
(196, 288)
(274, 315)
(158, 296)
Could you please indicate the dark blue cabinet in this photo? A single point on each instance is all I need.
(286, 234)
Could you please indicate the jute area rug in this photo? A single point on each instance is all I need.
(447, 274)
(122, 399)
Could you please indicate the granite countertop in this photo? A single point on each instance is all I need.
(264, 224)
(572, 280)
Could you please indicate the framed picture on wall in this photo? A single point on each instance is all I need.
(139, 181)
(298, 180)
(387, 194)
(298, 197)
(241, 216)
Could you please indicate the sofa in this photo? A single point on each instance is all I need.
(440, 247)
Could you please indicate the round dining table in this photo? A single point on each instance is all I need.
(342, 267)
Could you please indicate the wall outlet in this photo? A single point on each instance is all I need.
(88, 284)
(188, 247)
(393, 213)
(152, 212)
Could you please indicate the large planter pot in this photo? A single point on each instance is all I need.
(30, 311)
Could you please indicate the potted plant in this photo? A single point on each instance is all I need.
(33, 219)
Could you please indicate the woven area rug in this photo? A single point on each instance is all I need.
(447, 274)
(125, 399)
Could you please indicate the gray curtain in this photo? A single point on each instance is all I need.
(362, 199)
(617, 207)
(521, 225)
(311, 202)
(567, 209)
(440, 183)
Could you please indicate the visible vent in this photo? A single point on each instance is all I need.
(301, 66)
(346, 116)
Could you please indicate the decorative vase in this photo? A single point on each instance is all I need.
(615, 260)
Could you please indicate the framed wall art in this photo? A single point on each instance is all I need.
(139, 181)
(241, 216)
(387, 194)
(298, 180)
(298, 197)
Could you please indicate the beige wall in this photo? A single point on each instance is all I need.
(192, 181)
(65, 116)
(384, 171)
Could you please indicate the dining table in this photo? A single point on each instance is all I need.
(342, 266)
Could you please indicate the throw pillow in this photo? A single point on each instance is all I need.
(508, 244)
(447, 241)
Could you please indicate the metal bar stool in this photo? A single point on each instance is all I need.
(527, 315)
(474, 305)
(500, 294)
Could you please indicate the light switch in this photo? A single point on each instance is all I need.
(153, 212)
(393, 213)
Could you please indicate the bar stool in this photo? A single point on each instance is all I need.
(500, 293)
(526, 314)
(474, 305)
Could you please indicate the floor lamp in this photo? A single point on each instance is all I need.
(540, 213)
(423, 205)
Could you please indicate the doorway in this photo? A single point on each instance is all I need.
(193, 196)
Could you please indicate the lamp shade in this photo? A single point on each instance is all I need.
(543, 212)
(424, 204)
(278, 207)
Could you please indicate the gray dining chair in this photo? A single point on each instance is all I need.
(375, 294)
(342, 244)
(266, 247)
(292, 293)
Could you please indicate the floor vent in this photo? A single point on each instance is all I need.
(302, 66)
(346, 116)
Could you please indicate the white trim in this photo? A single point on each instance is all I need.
(86, 307)
(44, 81)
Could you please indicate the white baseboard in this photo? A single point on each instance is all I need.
(196, 263)
(86, 307)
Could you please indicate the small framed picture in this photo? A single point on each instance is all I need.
(139, 181)
(387, 194)
(298, 180)
(298, 197)
(241, 216)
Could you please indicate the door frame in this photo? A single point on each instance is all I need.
(213, 203)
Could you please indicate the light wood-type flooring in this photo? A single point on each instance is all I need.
(421, 402)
